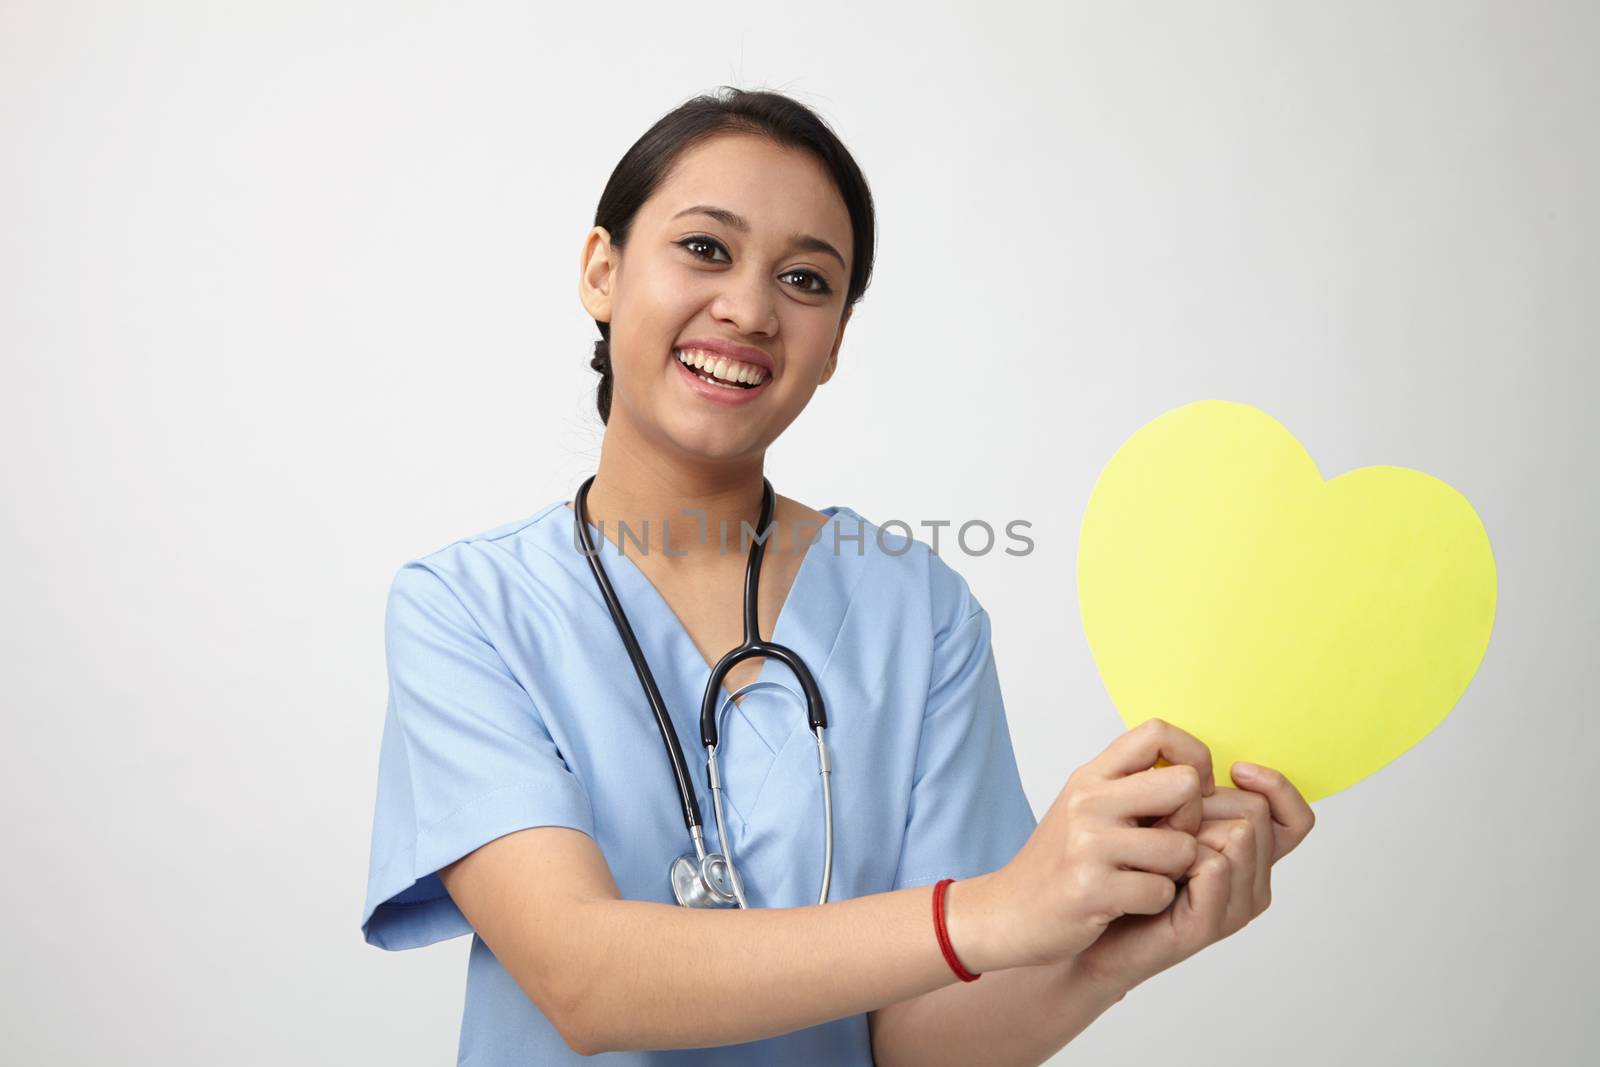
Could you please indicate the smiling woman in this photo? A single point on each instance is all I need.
(524, 795)
(758, 149)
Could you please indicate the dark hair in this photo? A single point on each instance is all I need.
(729, 110)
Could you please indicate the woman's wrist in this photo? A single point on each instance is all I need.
(969, 919)
(1083, 974)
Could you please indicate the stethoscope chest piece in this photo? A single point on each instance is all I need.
(703, 883)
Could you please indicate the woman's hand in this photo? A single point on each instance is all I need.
(1093, 857)
(1242, 834)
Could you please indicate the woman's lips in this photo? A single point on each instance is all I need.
(722, 394)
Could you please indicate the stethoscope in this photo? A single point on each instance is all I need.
(701, 879)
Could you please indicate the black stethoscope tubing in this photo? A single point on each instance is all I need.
(753, 645)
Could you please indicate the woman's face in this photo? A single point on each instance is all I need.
(686, 274)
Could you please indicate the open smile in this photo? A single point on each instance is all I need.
(704, 380)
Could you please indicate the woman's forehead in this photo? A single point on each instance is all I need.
(753, 186)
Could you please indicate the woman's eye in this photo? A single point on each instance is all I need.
(822, 288)
(687, 242)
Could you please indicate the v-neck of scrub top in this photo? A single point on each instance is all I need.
(640, 578)
(808, 622)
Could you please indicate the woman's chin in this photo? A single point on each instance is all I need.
(713, 439)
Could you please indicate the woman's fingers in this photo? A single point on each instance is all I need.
(1140, 748)
(1154, 795)
(1292, 817)
(1236, 840)
(1204, 896)
(1186, 819)
(1230, 804)
(1168, 852)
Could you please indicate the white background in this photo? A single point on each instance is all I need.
(288, 296)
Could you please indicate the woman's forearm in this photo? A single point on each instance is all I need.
(1021, 1016)
(660, 976)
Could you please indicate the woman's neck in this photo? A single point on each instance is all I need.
(682, 515)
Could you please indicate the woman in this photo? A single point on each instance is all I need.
(524, 792)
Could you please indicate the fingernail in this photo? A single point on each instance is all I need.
(1245, 770)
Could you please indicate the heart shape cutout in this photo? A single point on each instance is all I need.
(1319, 627)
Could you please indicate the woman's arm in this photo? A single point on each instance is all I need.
(1023, 1015)
(1030, 1012)
(614, 974)
(624, 974)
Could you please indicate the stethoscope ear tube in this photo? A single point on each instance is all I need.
(680, 770)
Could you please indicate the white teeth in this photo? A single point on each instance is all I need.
(721, 367)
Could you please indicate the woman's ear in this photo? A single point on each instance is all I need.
(596, 271)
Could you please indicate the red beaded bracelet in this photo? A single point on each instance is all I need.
(944, 935)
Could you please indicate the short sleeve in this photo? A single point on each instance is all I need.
(465, 758)
(969, 814)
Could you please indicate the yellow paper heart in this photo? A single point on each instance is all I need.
(1318, 627)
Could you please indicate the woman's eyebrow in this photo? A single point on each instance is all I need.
(802, 241)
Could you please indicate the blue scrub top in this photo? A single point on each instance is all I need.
(512, 703)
